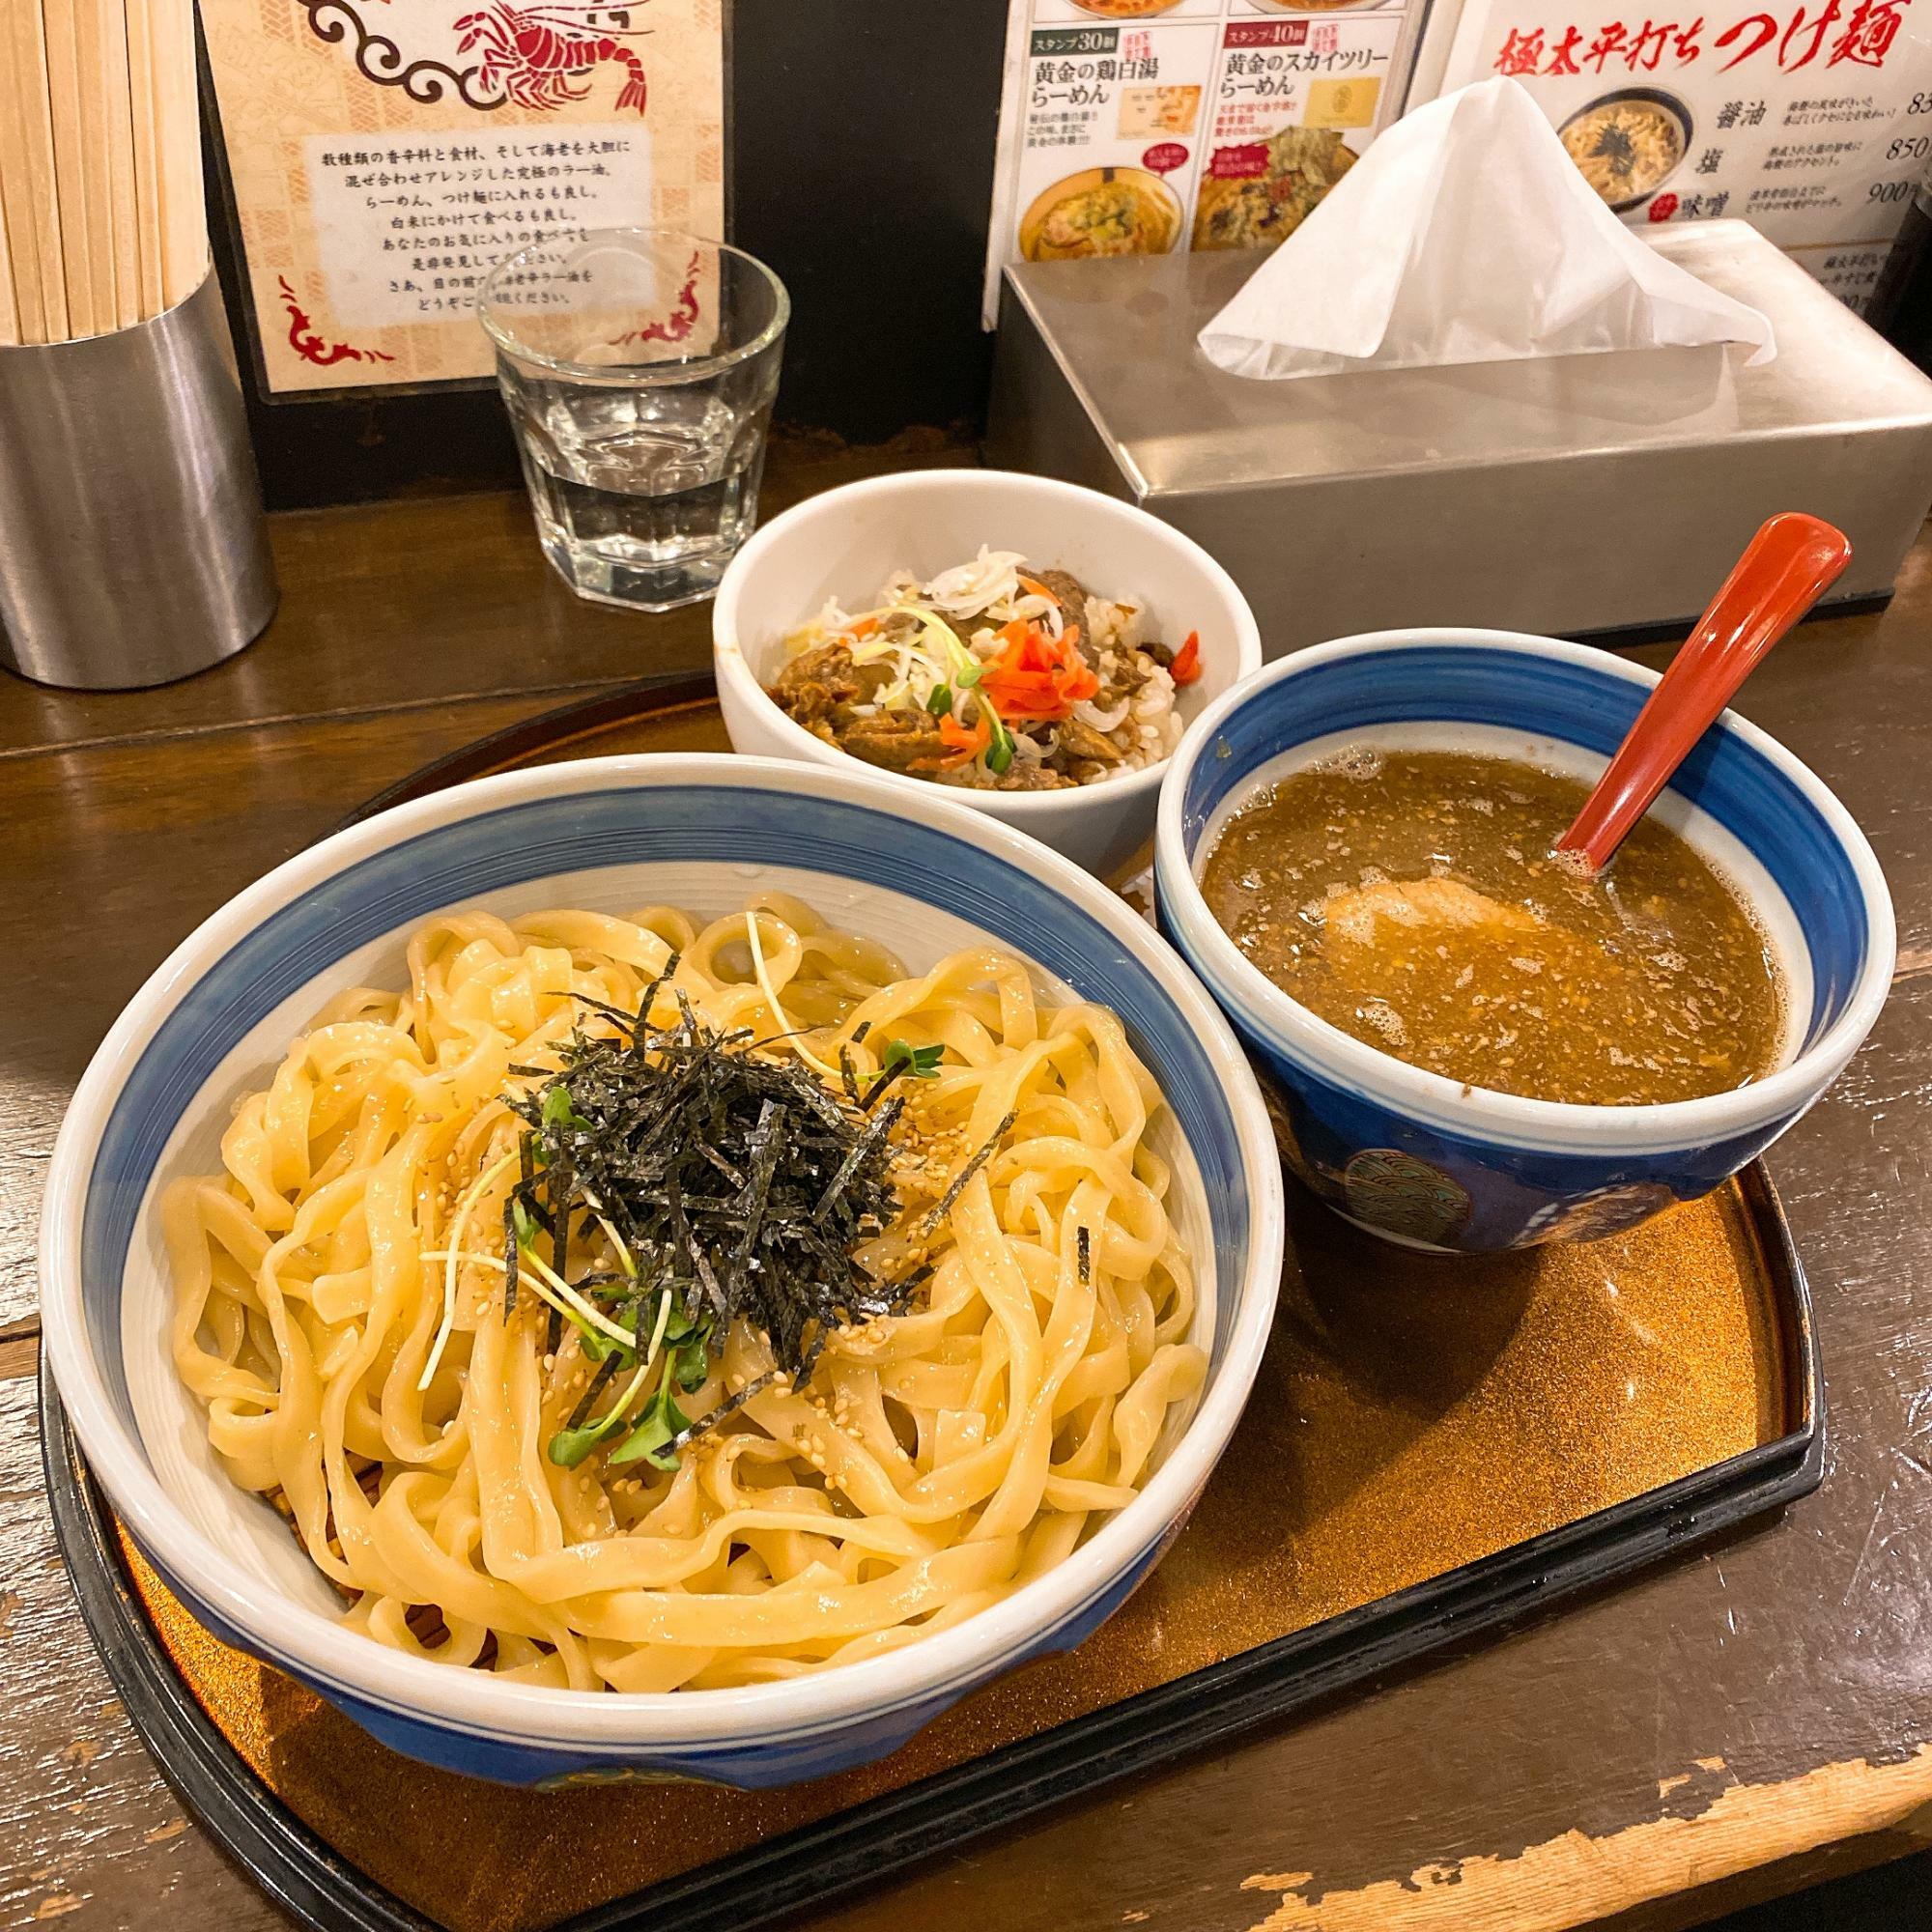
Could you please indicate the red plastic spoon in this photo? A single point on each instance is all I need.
(1791, 563)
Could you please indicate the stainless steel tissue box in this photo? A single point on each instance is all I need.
(1573, 494)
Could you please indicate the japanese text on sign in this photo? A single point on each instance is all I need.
(409, 230)
(383, 156)
(1200, 123)
(1810, 119)
(1861, 34)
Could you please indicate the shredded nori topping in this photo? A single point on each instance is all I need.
(605, 1371)
(938, 1212)
(737, 1183)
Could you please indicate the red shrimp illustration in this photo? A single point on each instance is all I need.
(535, 53)
(309, 346)
(677, 325)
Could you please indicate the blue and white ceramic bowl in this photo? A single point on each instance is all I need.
(919, 874)
(1423, 1160)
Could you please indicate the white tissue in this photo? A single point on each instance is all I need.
(1466, 234)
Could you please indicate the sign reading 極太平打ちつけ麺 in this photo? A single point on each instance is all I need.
(1811, 119)
(385, 155)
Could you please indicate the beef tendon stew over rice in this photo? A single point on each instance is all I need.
(995, 675)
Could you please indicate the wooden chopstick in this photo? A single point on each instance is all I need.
(20, 318)
(147, 156)
(115, 136)
(9, 302)
(27, 176)
(184, 222)
(79, 211)
(96, 171)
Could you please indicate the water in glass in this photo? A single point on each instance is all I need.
(638, 368)
(640, 496)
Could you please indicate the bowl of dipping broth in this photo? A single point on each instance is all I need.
(863, 630)
(1475, 1045)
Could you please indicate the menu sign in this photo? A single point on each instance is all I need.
(1137, 127)
(1812, 119)
(385, 158)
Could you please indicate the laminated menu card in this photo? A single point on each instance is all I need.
(1144, 126)
(381, 159)
(1810, 119)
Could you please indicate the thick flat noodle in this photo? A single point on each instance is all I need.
(933, 1461)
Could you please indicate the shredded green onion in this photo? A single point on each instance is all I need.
(999, 754)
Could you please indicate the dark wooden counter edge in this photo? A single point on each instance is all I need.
(291, 1864)
(550, 731)
(1718, 1731)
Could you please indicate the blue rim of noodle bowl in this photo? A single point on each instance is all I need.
(376, 878)
(1462, 677)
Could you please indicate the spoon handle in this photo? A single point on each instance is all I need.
(1784, 570)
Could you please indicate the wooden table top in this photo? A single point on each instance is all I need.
(1738, 1723)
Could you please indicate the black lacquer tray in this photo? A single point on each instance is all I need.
(1438, 1447)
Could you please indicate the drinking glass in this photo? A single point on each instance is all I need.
(638, 366)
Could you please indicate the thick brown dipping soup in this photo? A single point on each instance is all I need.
(1413, 899)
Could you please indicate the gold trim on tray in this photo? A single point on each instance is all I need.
(1413, 1414)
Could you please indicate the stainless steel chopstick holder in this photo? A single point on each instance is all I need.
(132, 545)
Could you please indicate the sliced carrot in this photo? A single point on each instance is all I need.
(1041, 677)
(1012, 637)
(963, 746)
(1079, 683)
(1022, 696)
(1186, 665)
(1044, 653)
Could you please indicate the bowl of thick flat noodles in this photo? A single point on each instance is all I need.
(676, 1266)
